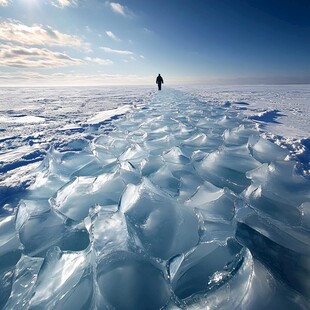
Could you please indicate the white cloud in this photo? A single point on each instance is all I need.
(120, 9)
(112, 36)
(61, 79)
(4, 2)
(64, 3)
(117, 8)
(119, 52)
(15, 31)
(99, 61)
(25, 46)
(22, 57)
(148, 31)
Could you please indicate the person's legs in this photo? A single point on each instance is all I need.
(159, 86)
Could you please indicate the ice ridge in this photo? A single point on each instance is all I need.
(181, 205)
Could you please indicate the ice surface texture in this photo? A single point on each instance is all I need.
(178, 203)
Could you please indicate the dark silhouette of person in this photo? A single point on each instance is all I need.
(159, 81)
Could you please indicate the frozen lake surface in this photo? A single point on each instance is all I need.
(127, 198)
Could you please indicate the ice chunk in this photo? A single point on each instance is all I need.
(76, 198)
(134, 154)
(46, 185)
(109, 144)
(179, 170)
(151, 164)
(165, 179)
(229, 121)
(278, 190)
(25, 277)
(109, 232)
(219, 231)
(201, 141)
(71, 284)
(213, 203)
(265, 151)
(93, 168)
(6, 281)
(137, 136)
(28, 208)
(159, 124)
(57, 169)
(127, 124)
(164, 228)
(205, 193)
(129, 173)
(40, 227)
(9, 242)
(106, 158)
(239, 135)
(156, 134)
(64, 164)
(293, 238)
(198, 155)
(159, 145)
(102, 116)
(198, 140)
(228, 167)
(207, 123)
(183, 131)
(129, 281)
(251, 287)
(229, 295)
(208, 266)
(10, 252)
(78, 144)
(175, 156)
(188, 185)
(265, 291)
(279, 248)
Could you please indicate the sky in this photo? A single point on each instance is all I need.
(94, 42)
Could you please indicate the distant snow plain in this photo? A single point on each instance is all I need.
(194, 197)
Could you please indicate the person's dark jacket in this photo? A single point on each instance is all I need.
(159, 80)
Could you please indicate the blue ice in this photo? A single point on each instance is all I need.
(177, 204)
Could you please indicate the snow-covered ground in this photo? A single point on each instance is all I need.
(194, 197)
(282, 109)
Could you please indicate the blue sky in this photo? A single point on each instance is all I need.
(93, 42)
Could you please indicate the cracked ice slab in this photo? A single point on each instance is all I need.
(105, 115)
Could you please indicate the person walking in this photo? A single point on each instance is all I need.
(159, 81)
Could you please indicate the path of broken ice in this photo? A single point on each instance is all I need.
(178, 204)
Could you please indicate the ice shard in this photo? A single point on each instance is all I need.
(25, 276)
(71, 284)
(208, 266)
(164, 228)
(108, 232)
(40, 227)
(82, 193)
(265, 151)
(278, 190)
(227, 167)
